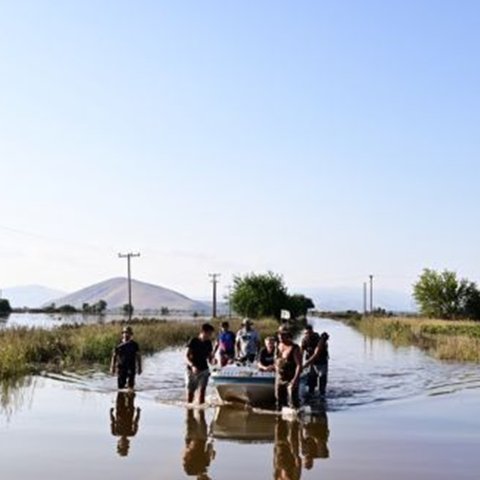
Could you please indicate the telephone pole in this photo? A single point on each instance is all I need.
(128, 256)
(371, 294)
(214, 277)
(229, 290)
(364, 298)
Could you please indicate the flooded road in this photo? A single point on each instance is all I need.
(390, 412)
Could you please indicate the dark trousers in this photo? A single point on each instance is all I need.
(126, 376)
(318, 377)
(287, 395)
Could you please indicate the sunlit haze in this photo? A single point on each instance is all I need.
(323, 140)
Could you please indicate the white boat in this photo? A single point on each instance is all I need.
(246, 384)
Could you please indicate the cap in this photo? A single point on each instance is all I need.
(246, 321)
(325, 335)
(127, 330)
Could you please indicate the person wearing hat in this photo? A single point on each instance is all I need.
(315, 347)
(288, 367)
(126, 360)
(247, 342)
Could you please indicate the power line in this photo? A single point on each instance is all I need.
(128, 256)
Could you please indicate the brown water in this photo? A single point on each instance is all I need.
(390, 412)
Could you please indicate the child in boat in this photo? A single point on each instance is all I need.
(266, 359)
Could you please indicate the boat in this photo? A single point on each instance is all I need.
(246, 384)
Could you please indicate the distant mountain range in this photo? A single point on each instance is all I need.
(348, 298)
(145, 297)
(32, 296)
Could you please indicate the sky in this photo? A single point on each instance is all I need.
(322, 140)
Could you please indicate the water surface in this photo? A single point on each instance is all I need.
(390, 412)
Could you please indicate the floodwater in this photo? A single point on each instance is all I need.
(389, 412)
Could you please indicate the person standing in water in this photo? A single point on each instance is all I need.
(126, 360)
(199, 354)
(315, 347)
(247, 342)
(288, 367)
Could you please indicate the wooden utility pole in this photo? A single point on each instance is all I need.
(229, 290)
(214, 277)
(128, 256)
(364, 298)
(371, 294)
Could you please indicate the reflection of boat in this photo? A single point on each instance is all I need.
(231, 423)
(246, 385)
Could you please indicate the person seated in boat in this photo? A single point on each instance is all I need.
(266, 357)
(247, 342)
(288, 367)
(199, 354)
(315, 348)
(225, 347)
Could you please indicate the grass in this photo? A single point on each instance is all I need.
(444, 339)
(26, 351)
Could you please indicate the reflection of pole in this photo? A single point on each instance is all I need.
(371, 294)
(128, 256)
(214, 277)
(364, 298)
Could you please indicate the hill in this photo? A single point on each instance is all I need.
(145, 297)
(32, 296)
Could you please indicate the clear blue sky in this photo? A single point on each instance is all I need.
(324, 140)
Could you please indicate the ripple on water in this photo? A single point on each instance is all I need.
(362, 372)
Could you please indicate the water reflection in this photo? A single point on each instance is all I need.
(124, 421)
(297, 442)
(199, 450)
(15, 393)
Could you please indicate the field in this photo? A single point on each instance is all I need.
(31, 350)
(445, 339)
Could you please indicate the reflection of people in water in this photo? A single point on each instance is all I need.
(198, 450)
(124, 421)
(286, 456)
(314, 438)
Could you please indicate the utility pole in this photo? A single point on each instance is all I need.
(229, 290)
(364, 298)
(214, 277)
(371, 294)
(128, 256)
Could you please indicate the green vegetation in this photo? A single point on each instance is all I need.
(445, 339)
(265, 295)
(97, 308)
(443, 295)
(31, 350)
(5, 308)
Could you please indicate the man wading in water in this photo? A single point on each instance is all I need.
(126, 360)
(315, 347)
(288, 364)
(199, 354)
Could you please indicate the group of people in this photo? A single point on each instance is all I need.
(279, 354)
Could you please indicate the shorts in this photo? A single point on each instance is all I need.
(195, 381)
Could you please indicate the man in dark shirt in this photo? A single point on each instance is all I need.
(266, 361)
(199, 354)
(315, 347)
(126, 360)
